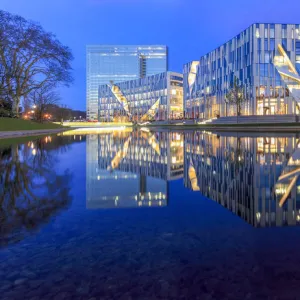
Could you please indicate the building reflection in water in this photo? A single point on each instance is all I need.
(127, 168)
(257, 178)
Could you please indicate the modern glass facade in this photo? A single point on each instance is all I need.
(265, 59)
(118, 63)
(257, 178)
(156, 97)
(128, 168)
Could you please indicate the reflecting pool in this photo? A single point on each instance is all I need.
(141, 214)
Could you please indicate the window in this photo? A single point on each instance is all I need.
(272, 31)
(259, 44)
(259, 58)
(272, 44)
(297, 33)
(266, 44)
(284, 31)
(267, 57)
(266, 31)
(284, 44)
(263, 70)
(297, 48)
(257, 33)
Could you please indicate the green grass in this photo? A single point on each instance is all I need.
(11, 124)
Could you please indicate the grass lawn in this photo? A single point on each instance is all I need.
(11, 124)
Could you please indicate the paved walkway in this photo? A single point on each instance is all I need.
(22, 133)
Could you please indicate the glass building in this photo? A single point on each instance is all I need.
(158, 97)
(257, 177)
(128, 168)
(116, 63)
(265, 60)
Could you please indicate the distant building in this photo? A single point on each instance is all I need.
(106, 63)
(155, 97)
(265, 58)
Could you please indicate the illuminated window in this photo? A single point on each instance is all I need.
(257, 33)
(272, 31)
(266, 32)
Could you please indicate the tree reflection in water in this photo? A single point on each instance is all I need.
(31, 191)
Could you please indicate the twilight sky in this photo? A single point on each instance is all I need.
(190, 28)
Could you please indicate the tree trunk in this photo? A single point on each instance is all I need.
(16, 104)
(238, 112)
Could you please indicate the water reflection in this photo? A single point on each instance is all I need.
(255, 177)
(31, 189)
(128, 168)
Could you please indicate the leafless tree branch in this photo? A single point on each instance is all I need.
(30, 58)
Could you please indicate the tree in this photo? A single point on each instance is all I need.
(5, 102)
(208, 105)
(30, 58)
(42, 99)
(64, 113)
(31, 189)
(5, 108)
(236, 96)
(59, 112)
(27, 105)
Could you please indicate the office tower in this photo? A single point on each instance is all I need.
(116, 63)
(265, 61)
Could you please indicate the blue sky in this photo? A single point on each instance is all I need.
(190, 28)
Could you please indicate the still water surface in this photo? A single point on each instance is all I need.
(122, 214)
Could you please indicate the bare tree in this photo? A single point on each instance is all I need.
(42, 99)
(27, 105)
(5, 102)
(30, 58)
(236, 97)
